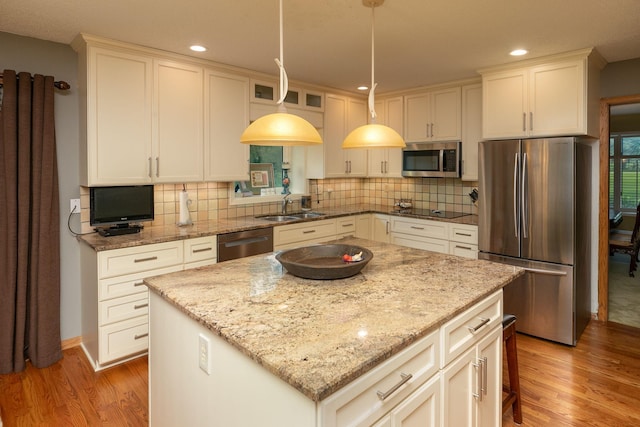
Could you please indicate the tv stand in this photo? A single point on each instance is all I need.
(119, 230)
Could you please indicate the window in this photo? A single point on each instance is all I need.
(624, 172)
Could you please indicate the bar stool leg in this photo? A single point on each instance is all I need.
(512, 399)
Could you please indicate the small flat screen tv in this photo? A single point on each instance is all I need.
(121, 205)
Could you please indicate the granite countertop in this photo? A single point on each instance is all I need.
(159, 234)
(321, 335)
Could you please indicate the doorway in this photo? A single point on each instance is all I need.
(603, 221)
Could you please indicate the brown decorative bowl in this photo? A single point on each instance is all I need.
(323, 262)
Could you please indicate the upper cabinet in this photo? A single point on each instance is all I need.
(226, 117)
(267, 92)
(552, 96)
(433, 116)
(177, 122)
(341, 115)
(471, 130)
(387, 162)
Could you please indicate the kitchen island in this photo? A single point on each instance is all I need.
(245, 343)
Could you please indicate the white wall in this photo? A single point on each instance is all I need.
(42, 57)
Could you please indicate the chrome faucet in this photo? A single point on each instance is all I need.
(286, 201)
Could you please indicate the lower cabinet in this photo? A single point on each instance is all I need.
(115, 300)
(420, 409)
(305, 233)
(381, 228)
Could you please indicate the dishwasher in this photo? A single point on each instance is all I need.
(241, 244)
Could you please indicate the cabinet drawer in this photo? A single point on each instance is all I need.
(200, 249)
(464, 250)
(140, 258)
(130, 284)
(123, 339)
(465, 330)
(308, 231)
(123, 308)
(418, 227)
(463, 233)
(346, 226)
(359, 404)
(424, 243)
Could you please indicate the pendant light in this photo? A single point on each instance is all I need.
(281, 128)
(373, 135)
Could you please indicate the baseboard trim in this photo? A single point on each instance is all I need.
(71, 342)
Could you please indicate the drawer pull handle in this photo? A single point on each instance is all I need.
(137, 337)
(139, 283)
(463, 247)
(417, 228)
(463, 234)
(404, 379)
(151, 258)
(308, 231)
(474, 329)
(195, 251)
(347, 225)
(139, 306)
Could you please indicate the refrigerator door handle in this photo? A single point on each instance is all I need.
(515, 195)
(523, 197)
(547, 272)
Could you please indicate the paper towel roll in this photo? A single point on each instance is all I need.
(185, 216)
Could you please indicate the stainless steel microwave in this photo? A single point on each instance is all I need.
(431, 159)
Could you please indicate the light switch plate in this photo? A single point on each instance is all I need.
(204, 350)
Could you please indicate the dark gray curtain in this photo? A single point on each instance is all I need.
(29, 224)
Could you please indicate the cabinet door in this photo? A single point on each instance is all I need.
(417, 118)
(490, 404)
(119, 88)
(177, 127)
(557, 99)
(226, 117)
(363, 226)
(446, 115)
(459, 382)
(381, 228)
(394, 118)
(471, 130)
(356, 117)
(335, 126)
(504, 104)
(421, 409)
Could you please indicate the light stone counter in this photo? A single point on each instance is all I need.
(321, 335)
(159, 234)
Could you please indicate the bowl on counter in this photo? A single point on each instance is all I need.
(323, 262)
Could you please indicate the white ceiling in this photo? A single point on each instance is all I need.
(327, 42)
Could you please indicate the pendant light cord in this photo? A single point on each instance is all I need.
(372, 108)
(284, 80)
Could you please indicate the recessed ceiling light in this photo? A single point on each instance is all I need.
(198, 48)
(363, 87)
(518, 52)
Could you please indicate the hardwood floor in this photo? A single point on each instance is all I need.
(70, 393)
(597, 383)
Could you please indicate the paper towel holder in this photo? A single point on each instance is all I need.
(184, 214)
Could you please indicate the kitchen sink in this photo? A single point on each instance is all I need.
(291, 216)
(278, 218)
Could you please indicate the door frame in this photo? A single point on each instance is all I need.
(603, 216)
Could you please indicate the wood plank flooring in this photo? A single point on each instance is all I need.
(597, 383)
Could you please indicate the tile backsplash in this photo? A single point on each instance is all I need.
(210, 200)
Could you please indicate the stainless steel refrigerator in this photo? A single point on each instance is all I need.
(534, 211)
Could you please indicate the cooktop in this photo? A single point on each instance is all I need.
(430, 213)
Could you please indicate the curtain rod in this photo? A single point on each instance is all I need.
(60, 85)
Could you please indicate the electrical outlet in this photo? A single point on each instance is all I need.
(74, 204)
(204, 348)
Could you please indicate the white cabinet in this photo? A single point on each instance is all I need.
(420, 234)
(387, 162)
(471, 130)
(421, 409)
(363, 226)
(433, 116)
(303, 233)
(115, 299)
(267, 92)
(116, 118)
(177, 122)
(472, 366)
(346, 226)
(341, 116)
(463, 240)
(556, 97)
(226, 112)
(381, 228)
